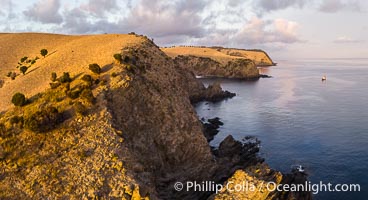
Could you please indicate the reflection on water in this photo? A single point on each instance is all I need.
(302, 120)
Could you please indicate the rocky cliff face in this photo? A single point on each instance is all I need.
(135, 139)
(203, 66)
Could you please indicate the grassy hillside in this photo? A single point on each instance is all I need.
(66, 54)
(222, 55)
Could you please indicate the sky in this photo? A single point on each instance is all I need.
(286, 29)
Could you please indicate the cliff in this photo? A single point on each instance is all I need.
(220, 61)
(129, 132)
(203, 66)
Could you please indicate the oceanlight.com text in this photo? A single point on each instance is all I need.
(315, 188)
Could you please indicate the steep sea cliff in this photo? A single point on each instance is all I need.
(136, 138)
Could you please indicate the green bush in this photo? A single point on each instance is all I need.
(43, 120)
(95, 68)
(19, 99)
(44, 52)
(22, 60)
(23, 69)
(118, 57)
(65, 78)
(53, 76)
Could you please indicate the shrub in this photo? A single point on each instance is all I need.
(16, 120)
(53, 76)
(19, 99)
(87, 78)
(23, 69)
(87, 95)
(44, 120)
(22, 60)
(65, 78)
(74, 93)
(118, 57)
(44, 52)
(33, 62)
(114, 74)
(95, 68)
(55, 85)
(13, 75)
(67, 87)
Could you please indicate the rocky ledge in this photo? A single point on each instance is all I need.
(213, 93)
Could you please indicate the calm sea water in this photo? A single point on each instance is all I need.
(302, 120)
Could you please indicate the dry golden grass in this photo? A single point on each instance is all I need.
(221, 55)
(201, 52)
(66, 54)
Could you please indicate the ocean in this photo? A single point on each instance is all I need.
(301, 120)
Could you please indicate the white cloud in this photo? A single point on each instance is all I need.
(345, 39)
(45, 11)
(259, 31)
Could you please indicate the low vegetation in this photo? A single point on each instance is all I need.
(53, 76)
(23, 69)
(19, 99)
(65, 78)
(95, 68)
(44, 52)
(43, 120)
(118, 57)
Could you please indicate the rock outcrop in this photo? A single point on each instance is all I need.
(210, 128)
(213, 93)
(203, 66)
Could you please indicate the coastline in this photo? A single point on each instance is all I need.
(140, 131)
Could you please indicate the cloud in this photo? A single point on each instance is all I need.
(160, 18)
(332, 6)
(45, 11)
(100, 7)
(270, 5)
(164, 20)
(345, 39)
(259, 31)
